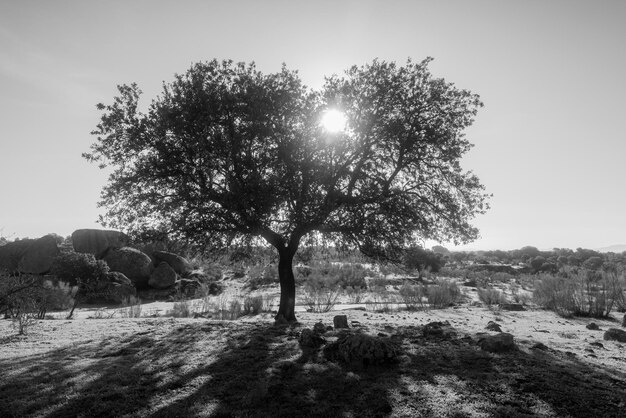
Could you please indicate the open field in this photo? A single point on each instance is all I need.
(159, 367)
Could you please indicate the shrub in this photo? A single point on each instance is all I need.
(259, 276)
(554, 293)
(132, 307)
(22, 296)
(354, 294)
(180, 309)
(268, 303)
(413, 296)
(583, 293)
(320, 293)
(443, 294)
(502, 277)
(253, 305)
(490, 296)
(72, 267)
(59, 296)
(26, 316)
(234, 309)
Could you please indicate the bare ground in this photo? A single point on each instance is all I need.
(166, 367)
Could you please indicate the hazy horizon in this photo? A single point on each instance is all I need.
(549, 143)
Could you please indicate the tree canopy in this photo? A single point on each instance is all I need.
(227, 152)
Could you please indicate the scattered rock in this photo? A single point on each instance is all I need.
(539, 346)
(319, 328)
(134, 264)
(492, 326)
(439, 329)
(362, 349)
(497, 343)
(512, 307)
(340, 321)
(310, 339)
(97, 241)
(615, 334)
(179, 264)
(163, 276)
(593, 326)
(597, 344)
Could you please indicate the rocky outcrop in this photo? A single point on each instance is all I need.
(163, 276)
(180, 265)
(31, 256)
(97, 241)
(134, 264)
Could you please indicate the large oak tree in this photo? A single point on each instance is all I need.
(226, 152)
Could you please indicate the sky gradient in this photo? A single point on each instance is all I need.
(549, 143)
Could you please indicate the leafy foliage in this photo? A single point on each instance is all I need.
(226, 153)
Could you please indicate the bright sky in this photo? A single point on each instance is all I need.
(549, 143)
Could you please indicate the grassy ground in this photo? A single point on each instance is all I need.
(165, 367)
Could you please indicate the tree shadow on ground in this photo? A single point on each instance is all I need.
(239, 369)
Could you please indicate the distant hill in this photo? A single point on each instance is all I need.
(613, 249)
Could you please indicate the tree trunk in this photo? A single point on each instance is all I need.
(286, 309)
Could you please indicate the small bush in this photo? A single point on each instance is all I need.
(268, 303)
(180, 309)
(354, 294)
(253, 305)
(413, 296)
(71, 267)
(234, 309)
(380, 300)
(490, 296)
(502, 277)
(132, 307)
(443, 294)
(320, 294)
(259, 276)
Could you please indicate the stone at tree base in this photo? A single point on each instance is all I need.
(340, 321)
(492, 326)
(497, 343)
(97, 241)
(179, 264)
(163, 276)
(39, 255)
(134, 264)
(615, 334)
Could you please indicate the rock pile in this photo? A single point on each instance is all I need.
(131, 269)
(29, 256)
